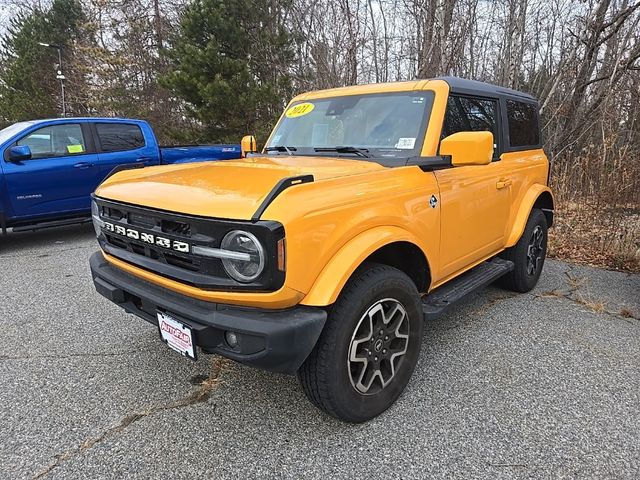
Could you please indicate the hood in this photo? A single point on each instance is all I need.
(231, 189)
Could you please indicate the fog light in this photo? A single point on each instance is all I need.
(231, 338)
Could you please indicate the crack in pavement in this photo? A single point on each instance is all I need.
(575, 296)
(586, 303)
(201, 395)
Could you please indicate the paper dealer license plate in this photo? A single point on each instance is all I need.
(176, 335)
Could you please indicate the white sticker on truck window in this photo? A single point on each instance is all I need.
(406, 143)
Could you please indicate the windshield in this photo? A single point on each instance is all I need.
(11, 130)
(389, 126)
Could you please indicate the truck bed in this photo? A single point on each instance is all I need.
(193, 153)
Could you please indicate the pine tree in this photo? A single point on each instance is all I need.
(229, 63)
(28, 85)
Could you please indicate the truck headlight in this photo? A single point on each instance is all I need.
(249, 264)
(95, 218)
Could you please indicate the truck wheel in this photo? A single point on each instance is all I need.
(527, 255)
(369, 346)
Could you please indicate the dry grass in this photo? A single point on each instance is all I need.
(626, 313)
(596, 306)
(597, 196)
(553, 294)
(607, 237)
(576, 282)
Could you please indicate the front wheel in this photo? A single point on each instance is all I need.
(369, 347)
(527, 255)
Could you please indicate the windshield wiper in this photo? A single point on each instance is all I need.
(280, 148)
(361, 152)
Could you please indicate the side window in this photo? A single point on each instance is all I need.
(118, 137)
(55, 141)
(454, 120)
(523, 124)
(466, 114)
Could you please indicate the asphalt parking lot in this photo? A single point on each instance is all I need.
(542, 385)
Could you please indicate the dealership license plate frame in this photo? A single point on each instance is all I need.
(175, 334)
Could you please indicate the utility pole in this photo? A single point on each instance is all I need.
(59, 74)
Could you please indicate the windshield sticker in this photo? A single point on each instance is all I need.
(75, 148)
(419, 100)
(300, 110)
(406, 143)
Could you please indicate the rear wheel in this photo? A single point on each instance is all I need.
(369, 346)
(527, 255)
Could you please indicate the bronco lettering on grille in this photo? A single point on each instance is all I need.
(148, 238)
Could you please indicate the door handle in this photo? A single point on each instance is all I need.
(83, 165)
(503, 183)
(143, 159)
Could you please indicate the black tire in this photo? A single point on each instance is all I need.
(524, 276)
(328, 374)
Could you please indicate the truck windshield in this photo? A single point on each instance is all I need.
(370, 126)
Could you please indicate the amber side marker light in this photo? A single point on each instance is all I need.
(281, 255)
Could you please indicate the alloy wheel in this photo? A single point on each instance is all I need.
(535, 250)
(378, 345)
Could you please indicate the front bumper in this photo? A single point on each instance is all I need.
(276, 340)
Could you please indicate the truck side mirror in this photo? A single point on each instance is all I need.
(468, 148)
(248, 145)
(19, 153)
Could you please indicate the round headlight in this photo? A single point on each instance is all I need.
(250, 267)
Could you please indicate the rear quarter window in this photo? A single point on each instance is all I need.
(522, 118)
(118, 137)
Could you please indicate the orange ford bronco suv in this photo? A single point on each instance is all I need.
(370, 209)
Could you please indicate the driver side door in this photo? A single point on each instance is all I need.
(475, 199)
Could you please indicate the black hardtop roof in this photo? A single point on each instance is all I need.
(474, 87)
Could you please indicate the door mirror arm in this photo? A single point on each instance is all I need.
(435, 162)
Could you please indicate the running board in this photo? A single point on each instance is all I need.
(50, 224)
(435, 304)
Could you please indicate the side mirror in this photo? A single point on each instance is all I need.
(19, 153)
(248, 145)
(468, 148)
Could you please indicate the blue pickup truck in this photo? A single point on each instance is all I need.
(49, 168)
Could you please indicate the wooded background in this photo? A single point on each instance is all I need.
(213, 70)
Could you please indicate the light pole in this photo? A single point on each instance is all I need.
(59, 73)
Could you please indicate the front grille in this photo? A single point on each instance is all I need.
(140, 220)
(182, 262)
(153, 223)
(112, 213)
(156, 240)
(176, 228)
